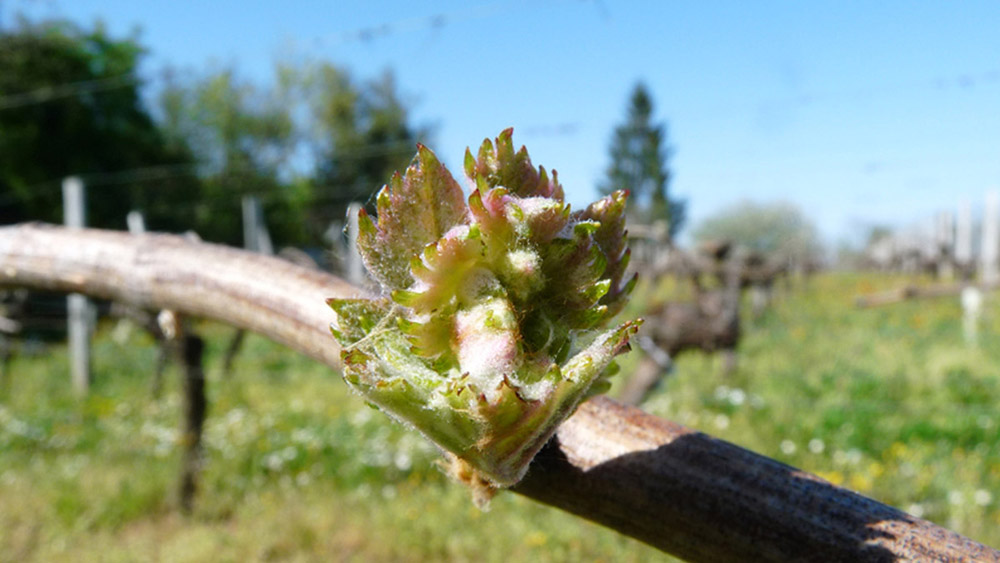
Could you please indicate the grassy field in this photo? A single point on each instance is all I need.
(890, 402)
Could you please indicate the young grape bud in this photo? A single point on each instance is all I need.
(488, 333)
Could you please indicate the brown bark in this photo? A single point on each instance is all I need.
(195, 407)
(235, 343)
(678, 490)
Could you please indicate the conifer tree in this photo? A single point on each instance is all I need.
(639, 155)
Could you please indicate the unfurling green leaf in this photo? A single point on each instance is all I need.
(488, 331)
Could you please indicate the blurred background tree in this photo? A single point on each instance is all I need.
(243, 136)
(639, 155)
(70, 104)
(772, 229)
(358, 136)
(307, 145)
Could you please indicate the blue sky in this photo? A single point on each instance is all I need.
(859, 112)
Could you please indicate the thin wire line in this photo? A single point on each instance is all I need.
(433, 21)
(167, 171)
(70, 89)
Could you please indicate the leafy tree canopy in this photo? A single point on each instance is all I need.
(70, 104)
(243, 136)
(307, 144)
(769, 228)
(360, 135)
(255, 140)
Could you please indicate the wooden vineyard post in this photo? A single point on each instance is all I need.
(990, 253)
(78, 307)
(255, 235)
(137, 226)
(963, 238)
(355, 269)
(255, 239)
(11, 309)
(944, 238)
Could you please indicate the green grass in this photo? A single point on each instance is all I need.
(889, 402)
